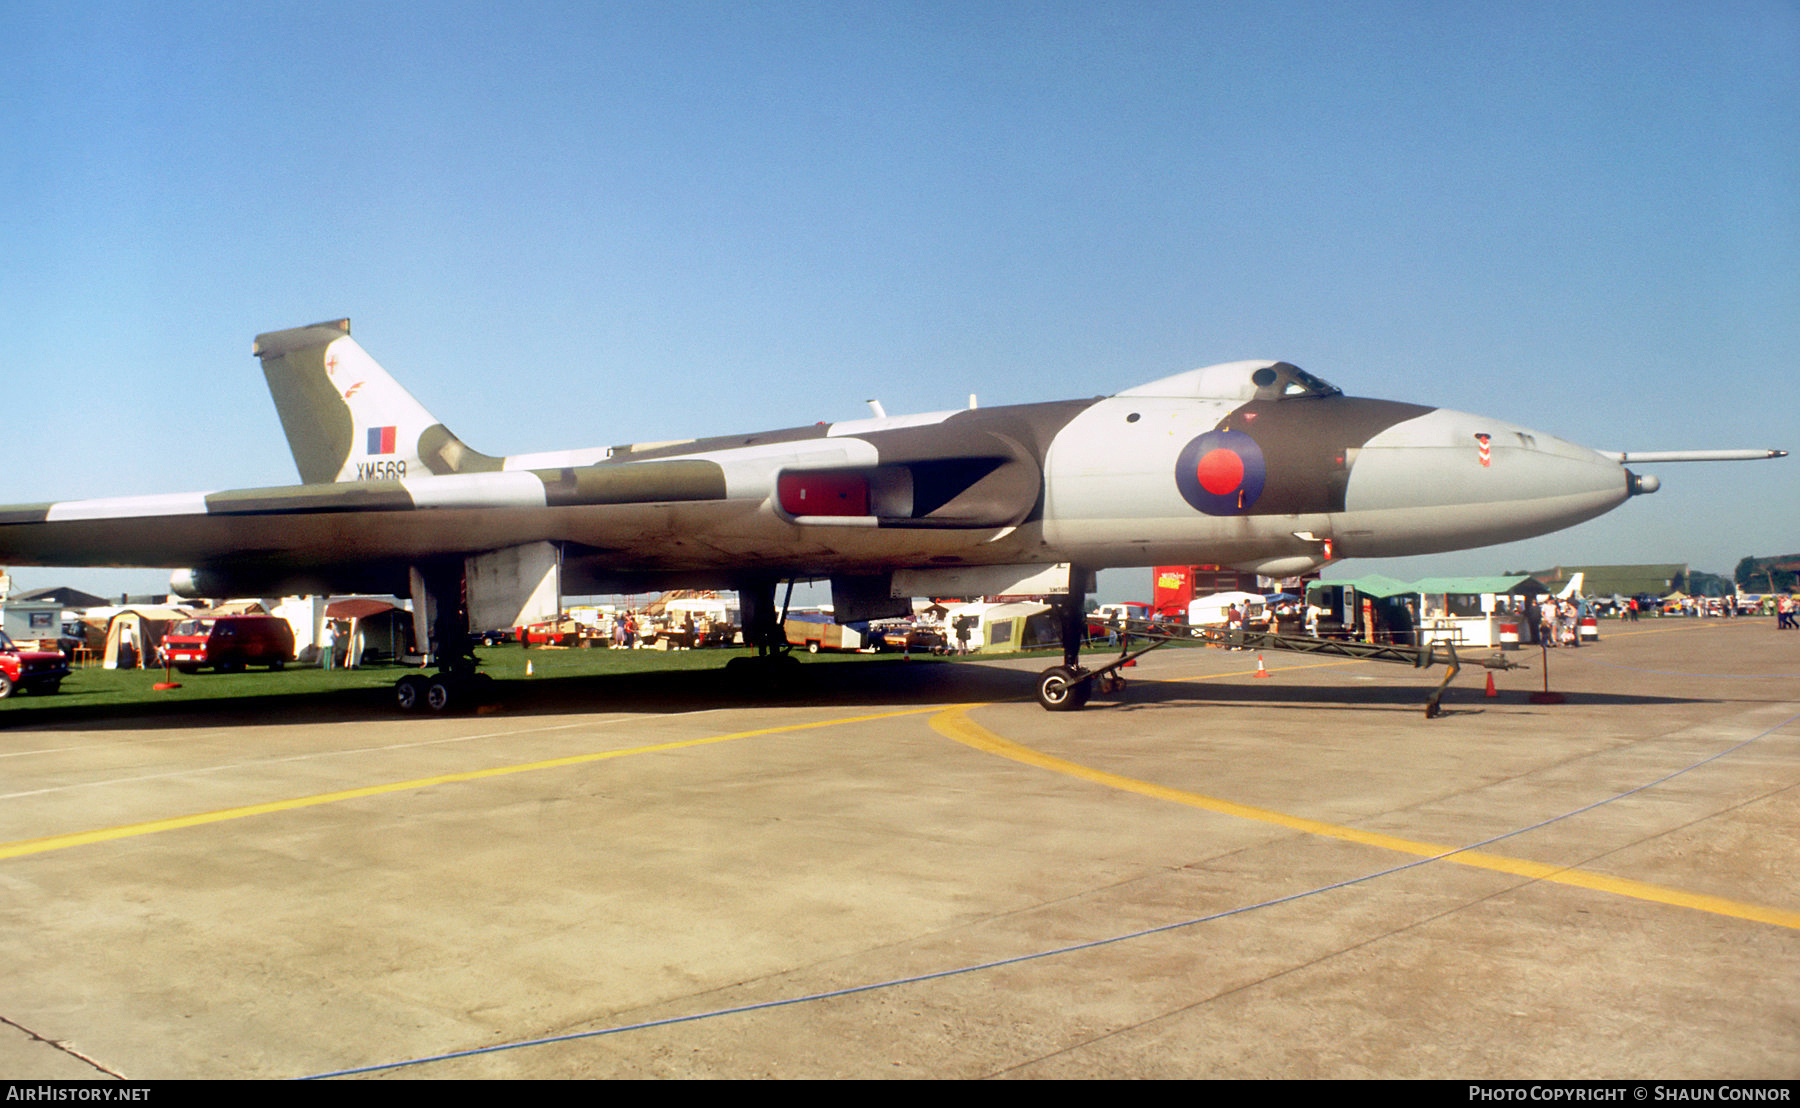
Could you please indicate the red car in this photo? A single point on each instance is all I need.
(35, 671)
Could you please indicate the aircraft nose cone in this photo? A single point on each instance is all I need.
(1448, 480)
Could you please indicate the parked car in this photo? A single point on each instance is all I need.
(1105, 617)
(908, 637)
(40, 672)
(229, 643)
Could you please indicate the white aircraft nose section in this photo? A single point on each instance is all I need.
(1448, 480)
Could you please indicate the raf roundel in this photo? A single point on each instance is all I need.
(1221, 473)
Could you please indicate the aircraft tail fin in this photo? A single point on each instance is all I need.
(346, 419)
(1573, 588)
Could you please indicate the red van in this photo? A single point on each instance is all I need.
(229, 643)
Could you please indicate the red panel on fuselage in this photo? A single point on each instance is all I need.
(823, 494)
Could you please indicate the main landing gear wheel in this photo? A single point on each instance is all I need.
(1059, 690)
(442, 694)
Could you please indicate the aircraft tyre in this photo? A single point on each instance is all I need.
(409, 692)
(442, 694)
(1059, 691)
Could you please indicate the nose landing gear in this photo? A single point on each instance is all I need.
(1062, 689)
(1066, 688)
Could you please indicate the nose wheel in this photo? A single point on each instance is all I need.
(1062, 689)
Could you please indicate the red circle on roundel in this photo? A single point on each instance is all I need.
(1220, 472)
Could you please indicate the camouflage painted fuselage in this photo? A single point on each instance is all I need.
(1250, 464)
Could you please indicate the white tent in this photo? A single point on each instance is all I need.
(133, 635)
(1015, 625)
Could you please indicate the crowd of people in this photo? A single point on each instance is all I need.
(1558, 622)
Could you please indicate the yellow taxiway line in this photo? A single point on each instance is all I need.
(23, 847)
(954, 723)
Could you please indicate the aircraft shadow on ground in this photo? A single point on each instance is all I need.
(862, 684)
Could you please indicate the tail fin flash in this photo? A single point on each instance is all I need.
(346, 419)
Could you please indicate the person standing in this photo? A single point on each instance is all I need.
(328, 646)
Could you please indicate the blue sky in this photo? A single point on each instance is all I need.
(573, 224)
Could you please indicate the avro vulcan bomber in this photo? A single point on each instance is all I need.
(1254, 464)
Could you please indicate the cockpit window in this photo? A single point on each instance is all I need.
(1283, 380)
(1239, 381)
(1303, 383)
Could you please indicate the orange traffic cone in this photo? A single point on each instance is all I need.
(1260, 671)
(1490, 690)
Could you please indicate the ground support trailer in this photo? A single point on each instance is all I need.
(1065, 688)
